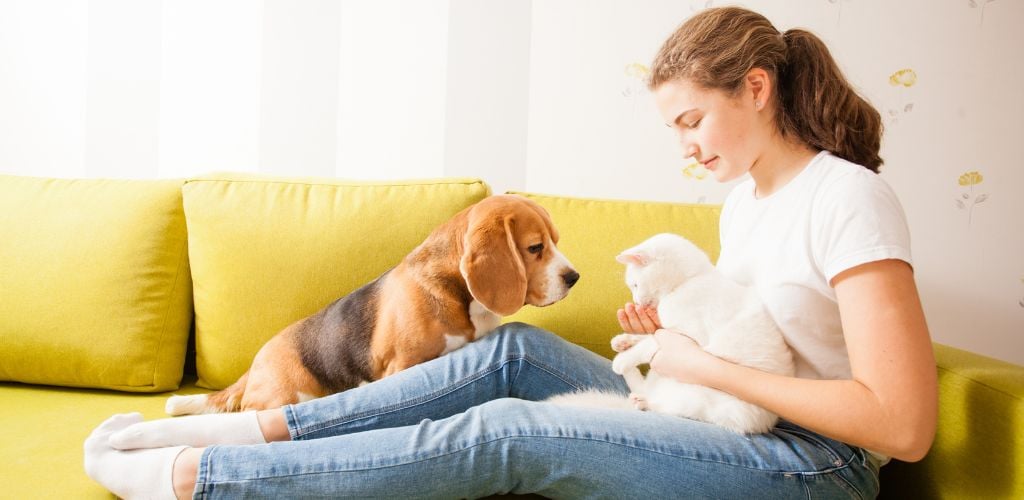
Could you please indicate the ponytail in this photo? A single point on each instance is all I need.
(821, 108)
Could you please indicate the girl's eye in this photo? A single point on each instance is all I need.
(536, 248)
(694, 124)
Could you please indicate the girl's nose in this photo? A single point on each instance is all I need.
(689, 150)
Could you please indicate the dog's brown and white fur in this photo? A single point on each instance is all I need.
(486, 262)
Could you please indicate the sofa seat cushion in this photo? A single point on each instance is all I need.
(592, 233)
(95, 288)
(266, 252)
(43, 429)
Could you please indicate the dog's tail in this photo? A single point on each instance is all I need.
(227, 400)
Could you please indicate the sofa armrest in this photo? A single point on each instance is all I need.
(979, 446)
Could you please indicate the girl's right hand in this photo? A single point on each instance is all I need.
(635, 319)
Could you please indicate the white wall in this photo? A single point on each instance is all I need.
(538, 96)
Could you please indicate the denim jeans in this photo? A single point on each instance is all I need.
(468, 425)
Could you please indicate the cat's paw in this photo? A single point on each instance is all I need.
(639, 402)
(623, 341)
(620, 364)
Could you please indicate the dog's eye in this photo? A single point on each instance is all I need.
(536, 248)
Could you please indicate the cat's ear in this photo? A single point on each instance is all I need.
(635, 258)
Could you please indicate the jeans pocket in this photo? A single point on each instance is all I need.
(839, 453)
(848, 466)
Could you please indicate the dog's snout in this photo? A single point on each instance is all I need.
(570, 278)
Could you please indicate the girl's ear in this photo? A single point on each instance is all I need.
(759, 85)
(635, 258)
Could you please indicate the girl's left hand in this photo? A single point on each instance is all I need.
(680, 357)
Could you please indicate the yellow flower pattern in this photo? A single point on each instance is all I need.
(971, 178)
(902, 79)
(905, 77)
(636, 79)
(968, 200)
(695, 171)
(638, 71)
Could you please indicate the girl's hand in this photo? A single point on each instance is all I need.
(680, 357)
(634, 319)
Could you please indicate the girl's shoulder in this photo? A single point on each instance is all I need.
(838, 182)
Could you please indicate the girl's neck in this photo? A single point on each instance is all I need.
(779, 165)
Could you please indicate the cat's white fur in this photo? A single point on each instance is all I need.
(725, 319)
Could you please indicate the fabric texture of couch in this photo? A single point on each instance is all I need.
(98, 295)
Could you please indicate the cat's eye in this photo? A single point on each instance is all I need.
(536, 248)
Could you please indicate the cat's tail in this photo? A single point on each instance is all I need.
(740, 416)
(592, 399)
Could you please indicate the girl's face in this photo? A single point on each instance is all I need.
(722, 132)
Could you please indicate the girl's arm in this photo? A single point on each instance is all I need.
(891, 404)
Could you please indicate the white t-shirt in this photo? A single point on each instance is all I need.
(834, 215)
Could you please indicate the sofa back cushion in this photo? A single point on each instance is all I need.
(592, 233)
(266, 252)
(94, 283)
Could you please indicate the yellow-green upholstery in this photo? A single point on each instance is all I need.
(979, 445)
(266, 252)
(42, 430)
(95, 289)
(237, 222)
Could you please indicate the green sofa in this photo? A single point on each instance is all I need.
(116, 294)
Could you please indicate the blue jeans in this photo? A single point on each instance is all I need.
(468, 425)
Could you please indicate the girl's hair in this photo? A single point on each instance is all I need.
(716, 48)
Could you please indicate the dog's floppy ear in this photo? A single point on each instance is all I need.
(492, 266)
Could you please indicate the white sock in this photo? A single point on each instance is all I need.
(129, 474)
(196, 431)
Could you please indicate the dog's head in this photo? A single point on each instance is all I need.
(659, 265)
(510, 257)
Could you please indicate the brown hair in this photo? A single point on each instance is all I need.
(716, 48)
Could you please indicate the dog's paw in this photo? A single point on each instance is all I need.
(623, 341)
(639, 402)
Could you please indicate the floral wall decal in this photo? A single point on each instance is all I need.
(839, 17)
(967, 200)
(980, 3)
(905, 77)
(902, 79)
(636, 79)
(695, 171)
(636, 75)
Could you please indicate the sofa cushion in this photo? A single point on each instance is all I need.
(94, 283)
(592, 233)
(42, 430)
(266, 252)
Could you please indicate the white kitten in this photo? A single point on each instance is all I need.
(724, 318)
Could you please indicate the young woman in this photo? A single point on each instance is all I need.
(821, 236)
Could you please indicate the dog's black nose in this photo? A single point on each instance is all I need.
(571, 278)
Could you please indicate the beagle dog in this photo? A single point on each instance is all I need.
(486, 262)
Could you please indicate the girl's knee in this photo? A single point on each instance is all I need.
(524, 338)
(506, 410)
